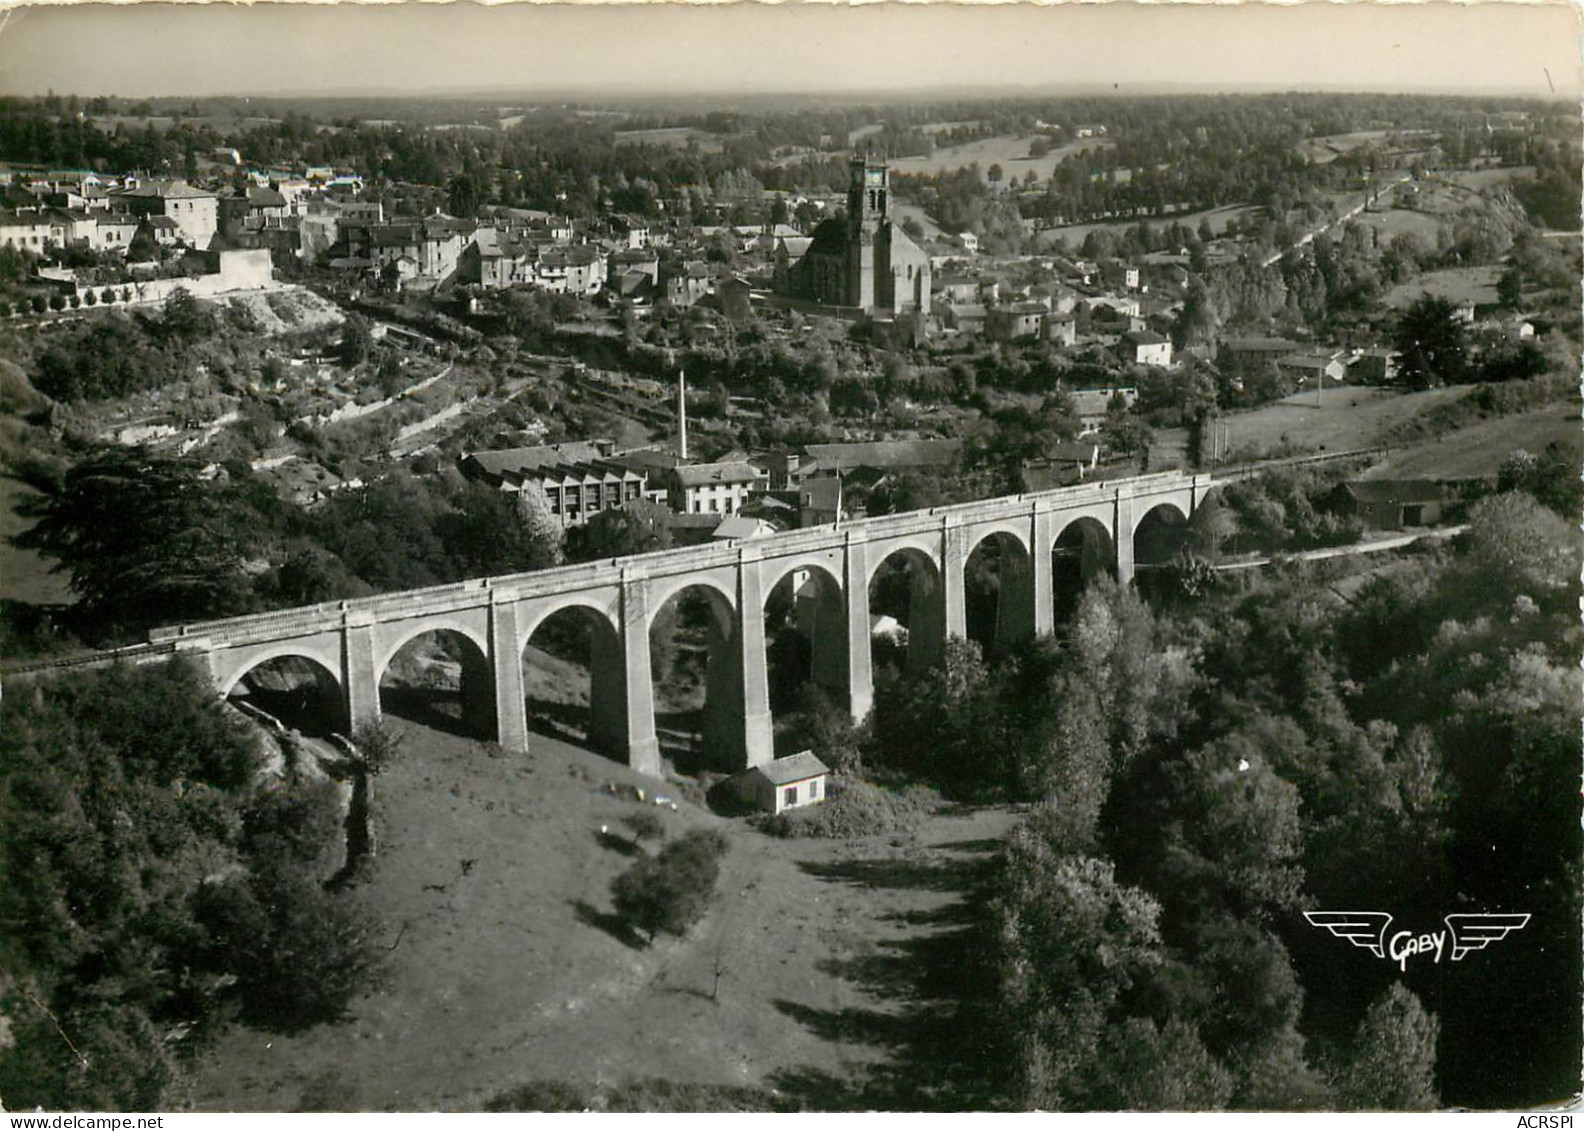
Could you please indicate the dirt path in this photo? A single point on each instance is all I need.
(492, 885)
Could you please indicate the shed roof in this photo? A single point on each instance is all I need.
(1396, 491)
(794, 768)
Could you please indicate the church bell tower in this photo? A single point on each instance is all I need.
(868, 201)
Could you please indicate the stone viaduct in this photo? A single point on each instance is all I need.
(355, 641)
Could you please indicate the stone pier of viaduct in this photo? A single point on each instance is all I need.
(355, 641)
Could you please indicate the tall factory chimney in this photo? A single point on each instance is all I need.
(682, 414)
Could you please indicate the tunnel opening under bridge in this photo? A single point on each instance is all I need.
(297, 691)
(573, 680)
(1082, 553)
(441, 678)
(998, 594)
(907, 615)
(806, 655)
(697, 678)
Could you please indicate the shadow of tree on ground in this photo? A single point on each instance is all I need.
(938, 986)
(612, 925)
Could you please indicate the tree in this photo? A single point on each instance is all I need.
(670, 891)
(486, 533)
(1152, 1067)
(145, 539)
(1432, 341)
(1514, 537)
(644, 826)
(463, 196)
(1551, 477)
(1509, 288)
(1394, 1054)
(1070, 940)
(540, 525)
(638, 527)
(357, 340)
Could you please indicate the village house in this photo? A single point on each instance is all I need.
(1375, 366)
(1245, 351)
(965, 317)
(1146, 347)
(790, 469)
(1094, 405)
(687, 283)
(495, 260)
(1309, 367)
(577, 481)
(25, 229)
(1060, 329)
(195, 211)
(784, 783)
(1016, 321)
(576, 270)
(1392, 504)
(820, 500)
(956, 288)
(713, 488)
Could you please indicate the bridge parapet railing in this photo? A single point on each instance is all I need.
(454, 596)
(109, 655)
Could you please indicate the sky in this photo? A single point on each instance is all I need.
(147, 49)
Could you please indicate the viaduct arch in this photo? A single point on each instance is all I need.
(355, 640)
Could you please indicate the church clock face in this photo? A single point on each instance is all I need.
(874, 177)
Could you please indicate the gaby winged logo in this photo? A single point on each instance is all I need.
(1465, 932)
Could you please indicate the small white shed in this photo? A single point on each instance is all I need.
(785, 783)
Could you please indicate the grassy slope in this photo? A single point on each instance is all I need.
(510, 973)
(1480, 449)
(1344, 418)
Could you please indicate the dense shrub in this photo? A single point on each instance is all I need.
(670, 891)
(146, 888)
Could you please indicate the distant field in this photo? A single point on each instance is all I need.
(1488, 178)
(1011, 153)
(1344, 418)
(1479, 450)
(1323, 150)
(905, 211)
(677, 137)
(1460, 284)
(1218, 218)
(1395, 222)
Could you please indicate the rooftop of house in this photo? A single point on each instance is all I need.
(742, 526)
(1261, 345)
(1308, 360)
(886, 454)
(707, 474)
(1145, 338)
(1396, 490)
(168, 190)
(793, 768)
(1075, 450)
(647, 459)
(265, 198)
(519, 460)
(822, 492)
